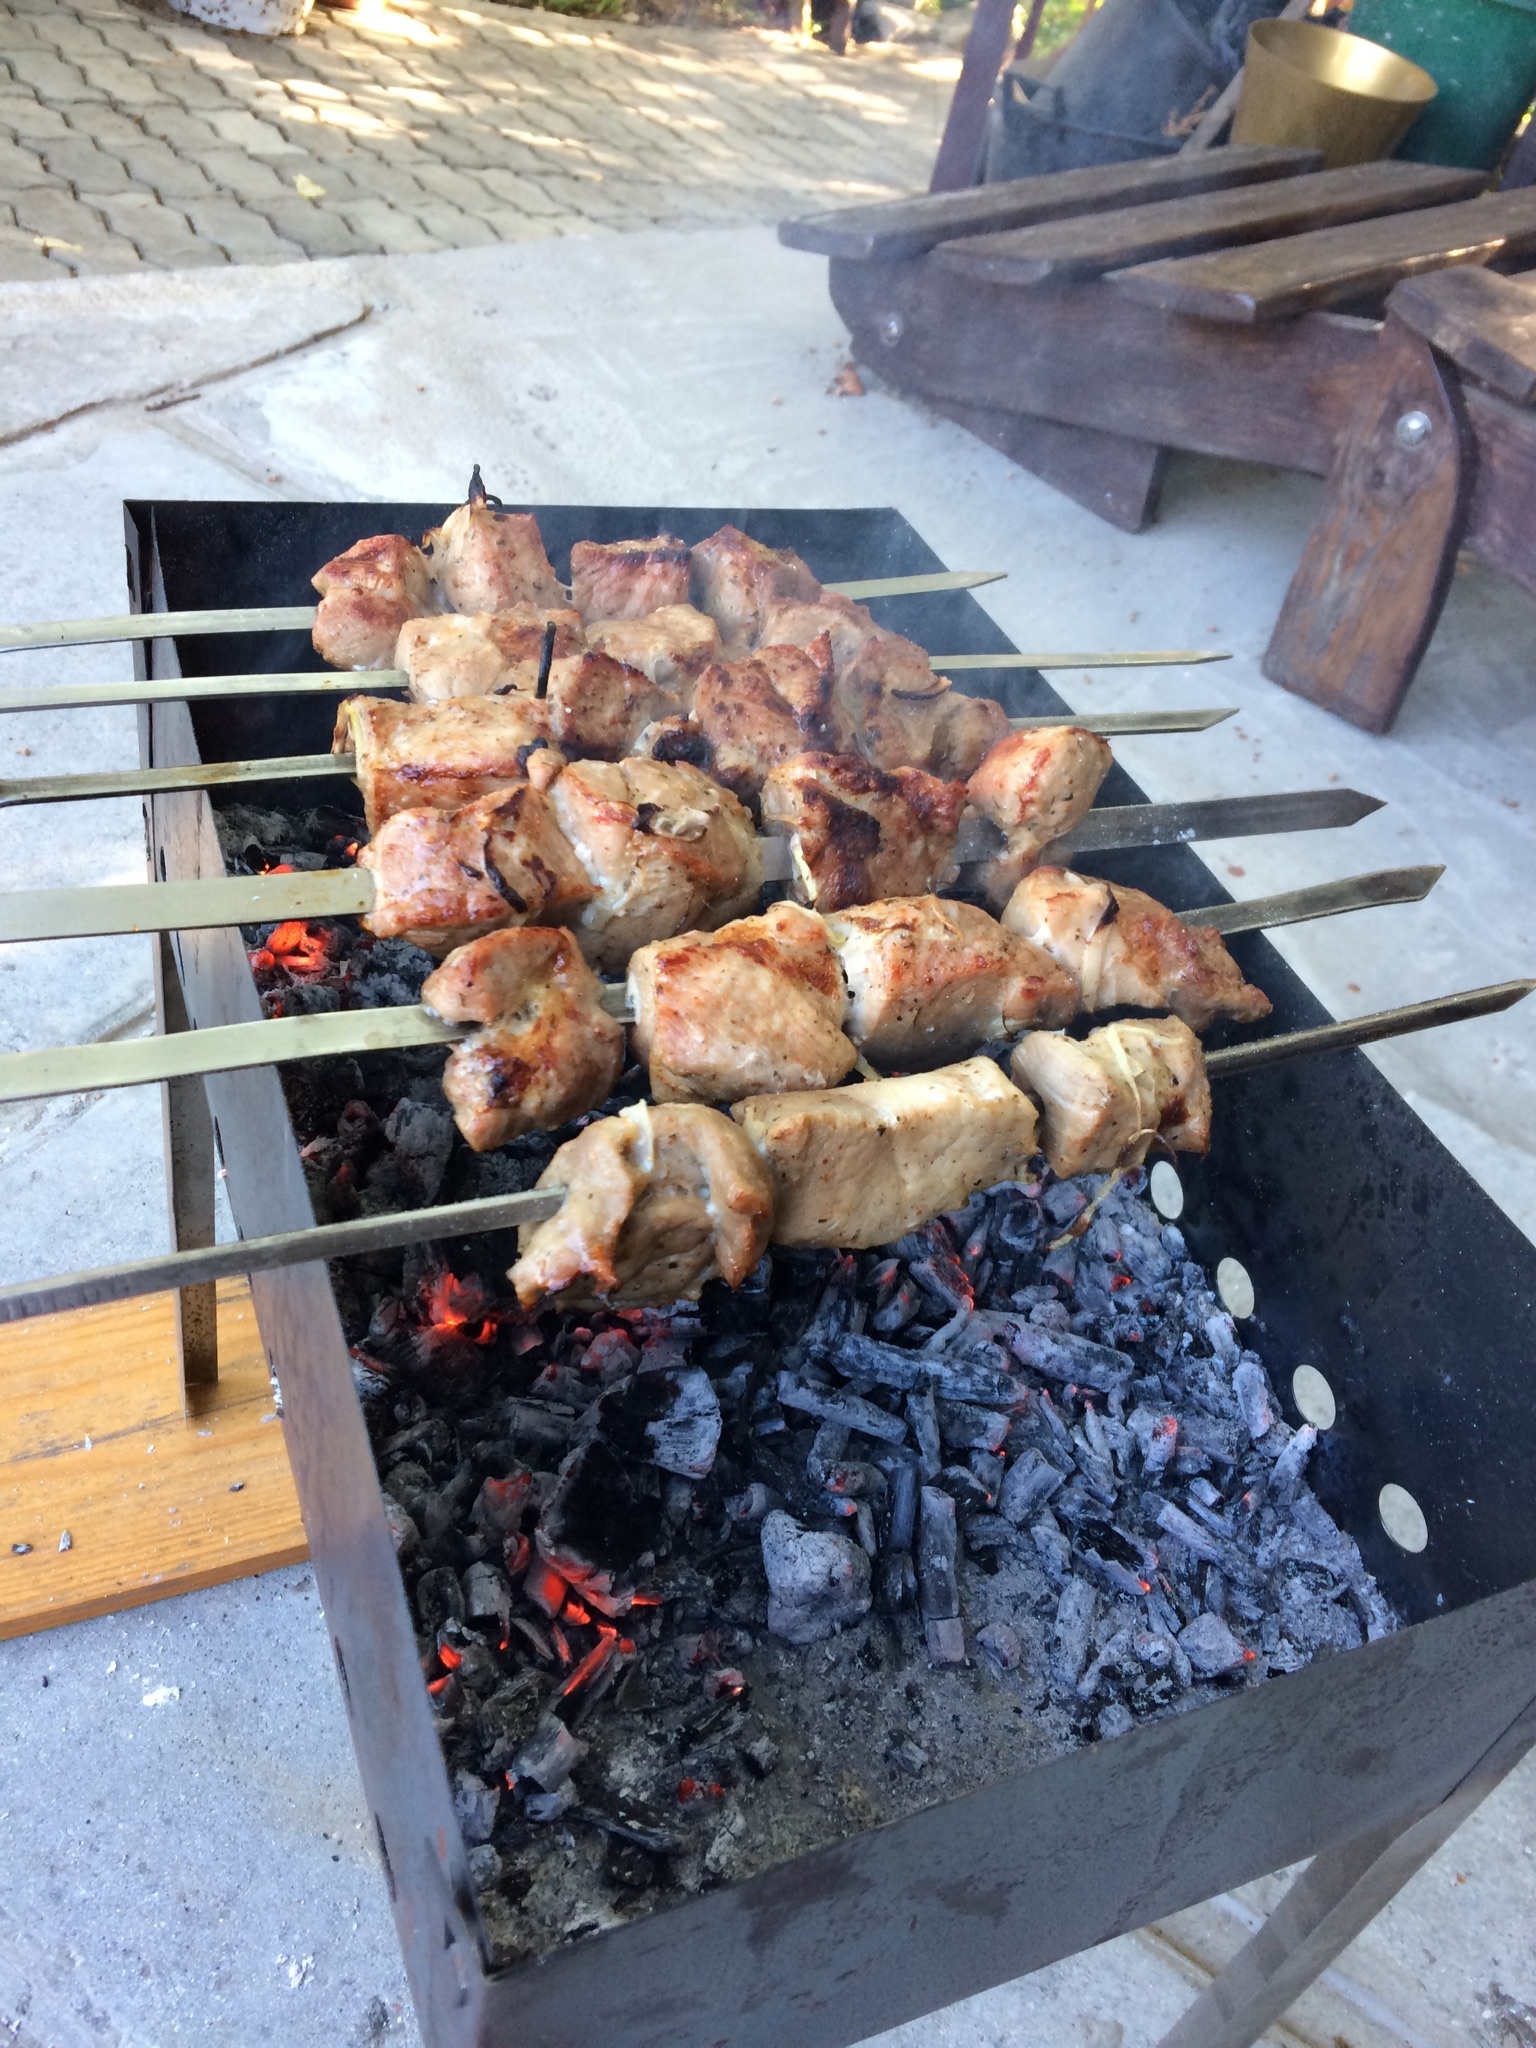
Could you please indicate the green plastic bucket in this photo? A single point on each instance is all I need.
(1481, 54)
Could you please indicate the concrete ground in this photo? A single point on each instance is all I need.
(131, 135)
(181, 1850)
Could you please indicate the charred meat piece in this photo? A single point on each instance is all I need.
(1126, 948)
(658, 1201)
(738, 581)
(366, 596)
(439, 756)
(860, 1166)
(625, 579)
(1035, 786)
(796, 622)
(487, 560)
(442, 877)
(673, 645)
(857, 833)
(929, 981)
(547, 1050)
(752, 1008)
(1105, 1098)
(667, 850)
(479, 654)
(761, 711)
(598, 706)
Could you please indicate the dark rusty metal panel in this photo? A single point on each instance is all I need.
(1377, 1259)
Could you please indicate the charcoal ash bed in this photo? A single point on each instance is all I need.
(1359, 1266)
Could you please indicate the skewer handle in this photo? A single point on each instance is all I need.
(182, 906)
(65, 789)
(324, 682)
(1166, 657)
(156, 626)
(1287, 1045)
(262, 1254)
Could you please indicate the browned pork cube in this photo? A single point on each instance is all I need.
(598, 707)
(673, 646)
(366, 596)
(658, 1201)
(941, 729)
(861, 1166)
(487, 560)
(857, 834)
(753, 1008)
(546, 1050)
(1105, 1098)
(667, 850)
(738, 581)
(761, 711)
(437, 756)
(930, 981)
(625, 579)
(1035, 786)
(442, 877)
(1126, 949)
(479, 654)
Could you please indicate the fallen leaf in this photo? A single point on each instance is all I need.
(847, 383)
(307, 188)
(50, 242)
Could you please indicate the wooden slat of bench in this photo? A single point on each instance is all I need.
(1306, 273)
(1094, 243)
(899, 229)
(1486, 324)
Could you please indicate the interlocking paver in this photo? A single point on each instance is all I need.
(482, 122)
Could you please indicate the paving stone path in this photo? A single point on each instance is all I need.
(131, 135)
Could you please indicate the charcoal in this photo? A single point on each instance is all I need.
(485, 1867)
(684, 1438)
(937, 1590)
(964, 1489)
(548, 1756)
(999, 1644)
(1289, 1466)
(505, 1721)
(1115, 1719)
(906, 1756)
(545, 1807)
(955, 1379)
(760, 1754)
(987, 1532)
(1075, 1613)
(848, 1409)
(1027, 1485)
(1211, 1647)
(971, 1429)
(901, 1309)
(925, 1431)
(402, 1529)
(439, 1598)
(1250, 1384)
(487, 1595)
(474, 1807)
(1053, 1547)
(988, 1469)
(1075, 1361)
(818, 1582)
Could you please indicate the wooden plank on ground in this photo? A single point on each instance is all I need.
(1485, 323)
(1090, 244)
(94, 1441)
(1336, 266)
(896, 230)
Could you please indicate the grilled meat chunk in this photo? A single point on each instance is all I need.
(625, 579)
(860, 1166)
(482, 653)
(758, 712)
(738, 581)
(598, 707)
(658, 1201)
(547, 1050)
(667, 850)
(929, 981)
(439, 756)
(753, 1008)
(366, 596)
(857, 833)
(443, 877)
(1106, 1097)
(1126, 948)
(1035, 786)
(673, 645)
(487, 560)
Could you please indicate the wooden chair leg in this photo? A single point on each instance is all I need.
(1118, 478)
(1334, 1899)
(1373, 577)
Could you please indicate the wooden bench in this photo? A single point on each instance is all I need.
(1240, 303)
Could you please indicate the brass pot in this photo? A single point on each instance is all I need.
(1317, 88)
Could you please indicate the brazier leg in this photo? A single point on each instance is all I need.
(189, 1182)
(1368, 592)
(1110, 474)
(1335, 1897)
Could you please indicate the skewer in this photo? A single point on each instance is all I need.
(62, 789)
(301, 617)
(92, 913)
(59, 789)
(504, 1212)
(82, 1069)
(336, 682)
